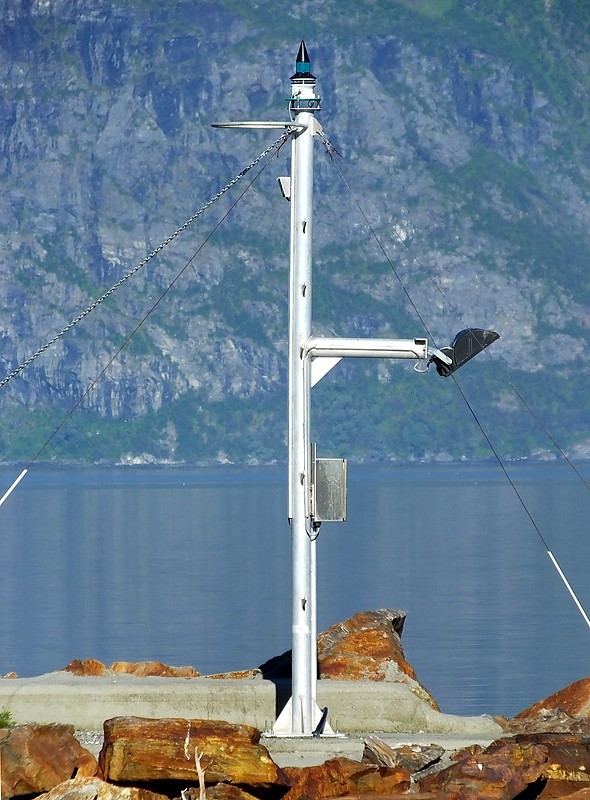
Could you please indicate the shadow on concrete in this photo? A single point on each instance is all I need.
(278, 670)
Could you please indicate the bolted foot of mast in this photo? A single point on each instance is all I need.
(283, 727)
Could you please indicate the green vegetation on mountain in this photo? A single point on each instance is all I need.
(461, 129)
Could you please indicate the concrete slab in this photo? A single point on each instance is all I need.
(354, 707)
(86, 702)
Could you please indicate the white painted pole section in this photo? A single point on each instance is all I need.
(303, 611)
(568, 587)
(8, 492)
(303, 126)
(313, 654)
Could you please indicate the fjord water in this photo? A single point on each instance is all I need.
(193, 566)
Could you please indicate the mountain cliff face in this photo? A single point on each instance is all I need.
(461, 130)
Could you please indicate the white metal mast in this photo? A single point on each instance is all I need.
(310, 358)
(301, 713)
(303, 105)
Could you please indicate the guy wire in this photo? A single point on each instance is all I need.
(275, 146)
(278, 144)
(330, 149)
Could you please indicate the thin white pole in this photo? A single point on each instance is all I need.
(302, 126)
(313, 656)
(8, 492)
(303, 105)
(568, 587)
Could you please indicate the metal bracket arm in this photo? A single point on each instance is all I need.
(365, 348)
(432, 351)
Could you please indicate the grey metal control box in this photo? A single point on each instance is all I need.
(328, 488)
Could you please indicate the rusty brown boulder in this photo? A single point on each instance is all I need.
(141, 669)
(500, 772)
(574, 700)
(35, 758)
(366, 647)
(363, 646)
(155, 669)
(240, 674)
(414, 757)
(87, 667)
(342, 776)
(340, 639)
(579, 794)
(138, 750)
(221, 791)
(547, 721)
(96, 789)
(568, 759)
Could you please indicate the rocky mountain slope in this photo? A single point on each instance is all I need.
(462, 134)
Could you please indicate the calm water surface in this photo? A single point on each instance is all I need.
(194, 567)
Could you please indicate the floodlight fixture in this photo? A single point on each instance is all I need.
(466, 344)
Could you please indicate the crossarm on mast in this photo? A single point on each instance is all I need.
(317, 347)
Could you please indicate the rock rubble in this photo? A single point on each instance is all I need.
(544, 751)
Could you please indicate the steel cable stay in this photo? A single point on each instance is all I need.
(189, 263)
(511, 385)
(330, 149)
(527, 511)
(275, 146)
